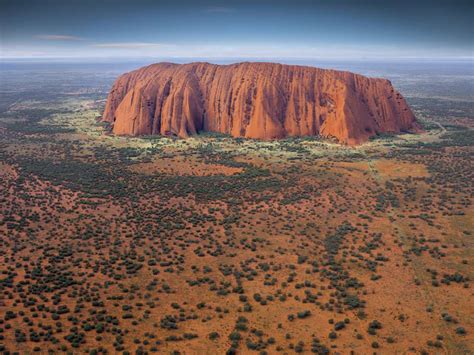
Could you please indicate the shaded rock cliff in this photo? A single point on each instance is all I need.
(255, 100)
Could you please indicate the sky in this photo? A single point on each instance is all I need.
(318, 29)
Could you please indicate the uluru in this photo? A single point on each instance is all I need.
(255, 100)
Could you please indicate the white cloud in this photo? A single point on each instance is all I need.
(130, 45)
(260, 51)
(59, 37)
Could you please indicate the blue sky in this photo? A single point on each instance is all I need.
(319, 29)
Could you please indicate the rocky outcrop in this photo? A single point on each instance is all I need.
(255, 100)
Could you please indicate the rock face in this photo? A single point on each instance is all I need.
(255, 100)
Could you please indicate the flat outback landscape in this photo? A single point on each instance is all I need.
(221, 244)
(209, 177)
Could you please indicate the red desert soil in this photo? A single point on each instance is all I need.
(255, 100)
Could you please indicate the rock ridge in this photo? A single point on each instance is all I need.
(255, 100)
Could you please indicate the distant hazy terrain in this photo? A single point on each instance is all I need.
(416, 81)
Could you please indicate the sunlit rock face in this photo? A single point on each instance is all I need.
(255, 100)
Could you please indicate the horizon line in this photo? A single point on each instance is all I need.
(338, 58)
